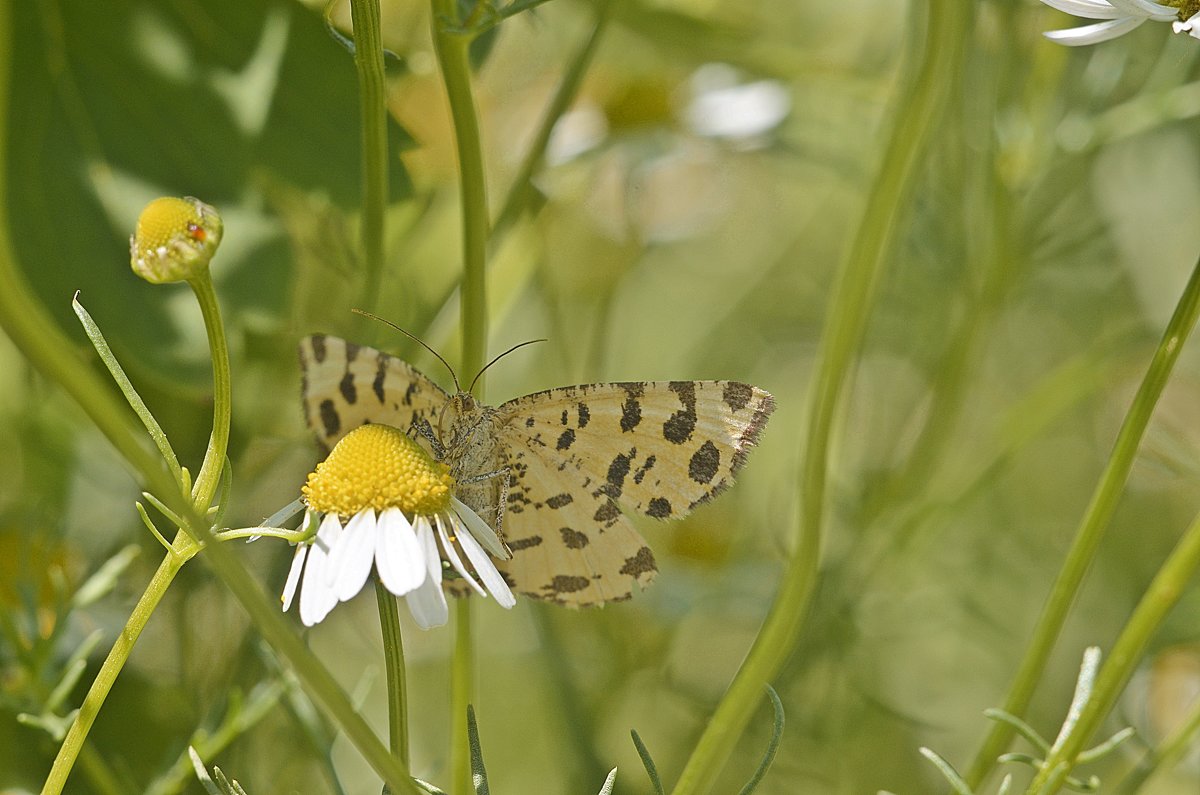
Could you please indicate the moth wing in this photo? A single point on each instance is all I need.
(347, 385)
(658, 448)
(570, 543)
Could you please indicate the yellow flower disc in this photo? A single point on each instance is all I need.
(378, 466)
(175, 239)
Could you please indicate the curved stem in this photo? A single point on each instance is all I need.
(214, 458)
(1091, 528)
(393, 656)
(841, 341)
(113, 663)
(368, 59)
(1162, 595)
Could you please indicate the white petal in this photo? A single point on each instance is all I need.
(451, 551)
(1191, 26)
(350, 561)
(397, 554)
(479, 528)
(1147, 9)
(293, 578)
(428, 603)
(487, 571)
(316, 597)
(1094, 34)
(1090, 9)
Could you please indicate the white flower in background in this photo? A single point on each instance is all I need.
(380, 499)
(1121, 16)
(722, 106)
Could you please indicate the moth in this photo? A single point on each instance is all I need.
(553, 470)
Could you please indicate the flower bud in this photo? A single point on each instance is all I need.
(175, 239)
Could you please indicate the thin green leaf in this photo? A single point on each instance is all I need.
(478, 772)
(131, 396)
(1105, 747)
(1022, 728)
(75, 666)
(162, 508)
(202, 773)
(947, 770)
(146, 520)
(105, 577)
(609, 782)
(647, 762)
(772, 746)
(1005, 785)
(430, 788)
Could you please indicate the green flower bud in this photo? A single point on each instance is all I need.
(175, 239)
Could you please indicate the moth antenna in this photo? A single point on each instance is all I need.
(420, 342)
(498, 358)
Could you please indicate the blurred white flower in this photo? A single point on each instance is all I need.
(723, 107)
(1119, 17)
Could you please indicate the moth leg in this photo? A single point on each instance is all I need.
(424, 429)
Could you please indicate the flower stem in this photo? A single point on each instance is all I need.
(918, 107)
(453, 57)
(218, 443)
(1162, 595)
(113, 663)
(368, 59)
(461, 678)
(393, 656)
(1091, 528)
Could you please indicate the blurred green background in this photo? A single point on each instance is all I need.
(688, 223)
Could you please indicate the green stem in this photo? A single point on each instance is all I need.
(453, 57)
(889, 199)
(1091, 528)
(368, 59)
(1162, 595)
(113, 663)
(521, 191)
(218, 443)
(462, 670)
(393, 656)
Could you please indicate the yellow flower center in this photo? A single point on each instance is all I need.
(378, 466)
(174, 239)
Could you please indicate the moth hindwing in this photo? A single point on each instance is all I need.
(570, 455)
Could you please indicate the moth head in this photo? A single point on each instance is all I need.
(458, 417)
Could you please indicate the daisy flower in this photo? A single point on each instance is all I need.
(1121, 16)
(378, 498)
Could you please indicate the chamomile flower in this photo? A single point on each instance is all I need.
(1121, 16)
(378, 498)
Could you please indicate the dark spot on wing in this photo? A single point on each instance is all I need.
(639, 564)
(380, 377)
(573, 539)
(607, 513)
(659, 508)
(705, 462)
(318, 347)
(646, 466)
(736, 395)
(567, 584)
(617, 471)
(565, 440)
(584, 414)
(525, 543)
(559, 500)
(347, 388)
(631, 414)
(563, 419)
(678, 428)
(330, 420)
(529, 422)
(351, 351)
